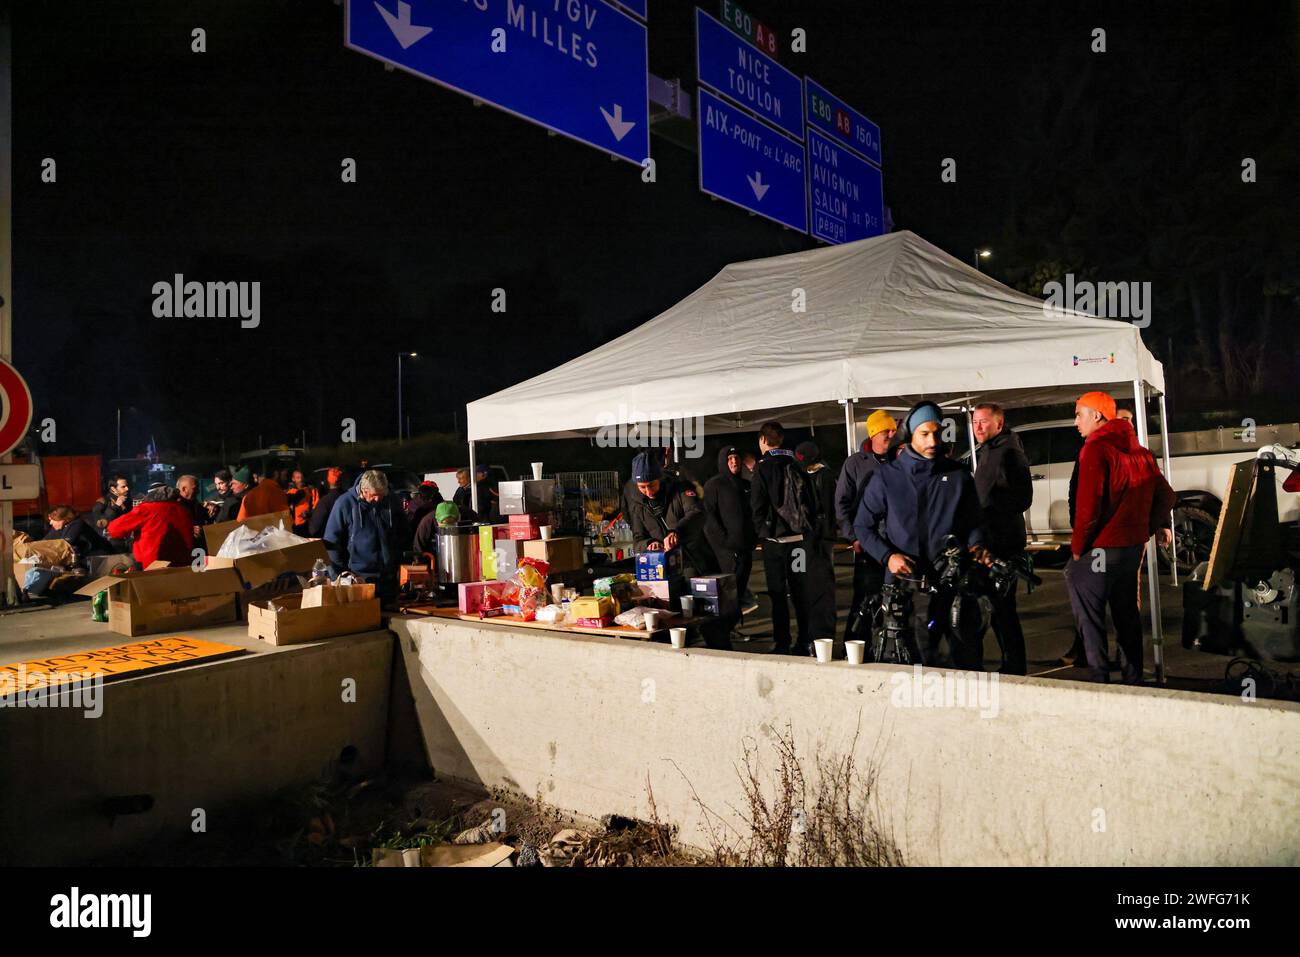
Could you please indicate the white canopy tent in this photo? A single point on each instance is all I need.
(804, 337)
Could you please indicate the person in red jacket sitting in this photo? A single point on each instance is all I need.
(164, 528)
(1122, 500)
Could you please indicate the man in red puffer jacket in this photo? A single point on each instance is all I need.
(1122, 501)
(164, 528)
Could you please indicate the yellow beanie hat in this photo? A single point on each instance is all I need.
(878, 421)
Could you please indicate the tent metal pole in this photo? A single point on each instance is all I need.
(848, 424)
(1169, 477)
(970, 434)
(1153, 569)
(473, 485)
(677, 442)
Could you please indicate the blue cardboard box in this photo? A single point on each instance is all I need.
(658, 566)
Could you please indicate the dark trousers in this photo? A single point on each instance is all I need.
(1011, 639)
(868, 579)
(820, 587)
(1091, 592)
(739, 564)
(783, 582)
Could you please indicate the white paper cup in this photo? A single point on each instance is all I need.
(651, 620)
(546, 533)
(823, 647)
(688, 606)
(557, 593)
(537, 470)
(856, 651)
(678, 636)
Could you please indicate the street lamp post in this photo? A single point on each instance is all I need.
(400, 357)
(981, 254)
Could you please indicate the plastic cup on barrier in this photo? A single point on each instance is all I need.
(856, 651)
(823, 647)
(678, 636)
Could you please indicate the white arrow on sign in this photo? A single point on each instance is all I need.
(757, 185)
(401, 25)
(617, 125)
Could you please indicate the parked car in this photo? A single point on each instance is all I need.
(1201, 463)
(445, 479)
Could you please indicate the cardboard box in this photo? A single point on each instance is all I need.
(169, 599)
(292, 624)
(533, 521)
(662, 594)
(470, 595)
(262, 567)
(716, 595)
(324, 596)
(508, 551)
(528, 496)
(658, 566)
(488, 536)
(562, 554)
(417, 576)
(522, 531)
(214, 535)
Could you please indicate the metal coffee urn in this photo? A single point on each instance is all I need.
(457, 554)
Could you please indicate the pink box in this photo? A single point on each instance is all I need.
(471, 594)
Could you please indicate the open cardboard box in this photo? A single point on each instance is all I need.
(292, 624)
(261, 567)
(214, 535)
(161, 599)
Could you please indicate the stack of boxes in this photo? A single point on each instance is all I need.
(528, 506)
(659, 578)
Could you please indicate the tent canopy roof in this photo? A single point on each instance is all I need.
(887, 321)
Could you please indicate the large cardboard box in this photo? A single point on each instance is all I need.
(262, 567)
(528, 496)
(563, 554)
(291, 624)
(169, 599)
(214, 535)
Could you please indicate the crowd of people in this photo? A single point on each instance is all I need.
(901, 501)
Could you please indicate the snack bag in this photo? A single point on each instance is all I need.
(527, 588)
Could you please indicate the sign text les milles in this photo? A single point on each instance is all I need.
(755, 31)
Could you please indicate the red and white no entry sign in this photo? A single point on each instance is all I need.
(15, 407)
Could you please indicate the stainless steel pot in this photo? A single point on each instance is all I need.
(457, 554)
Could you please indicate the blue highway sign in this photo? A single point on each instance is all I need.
(743, 73)
(833, 116)
(845, 193)
(750, 164)
(578, 67)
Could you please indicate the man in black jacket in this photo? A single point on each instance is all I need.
(729, 524)
(112, 505)
(785, 559)
(320, 515)
(1005, 491)
(665, 513)
(821, 544)
(868, 574)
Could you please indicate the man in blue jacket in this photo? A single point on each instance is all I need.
(367, 532)
(913, 504)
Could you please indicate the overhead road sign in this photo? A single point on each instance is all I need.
(845, 193)
(748, 163)
(837, 119)
(577, 67)
(741, 72)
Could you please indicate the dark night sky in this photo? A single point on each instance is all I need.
(225, 166)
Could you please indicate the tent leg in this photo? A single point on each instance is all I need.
(677, 442)
(848, 425)
(1169, 476)
(970, 435)
(1153, 568)
(473, 485)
